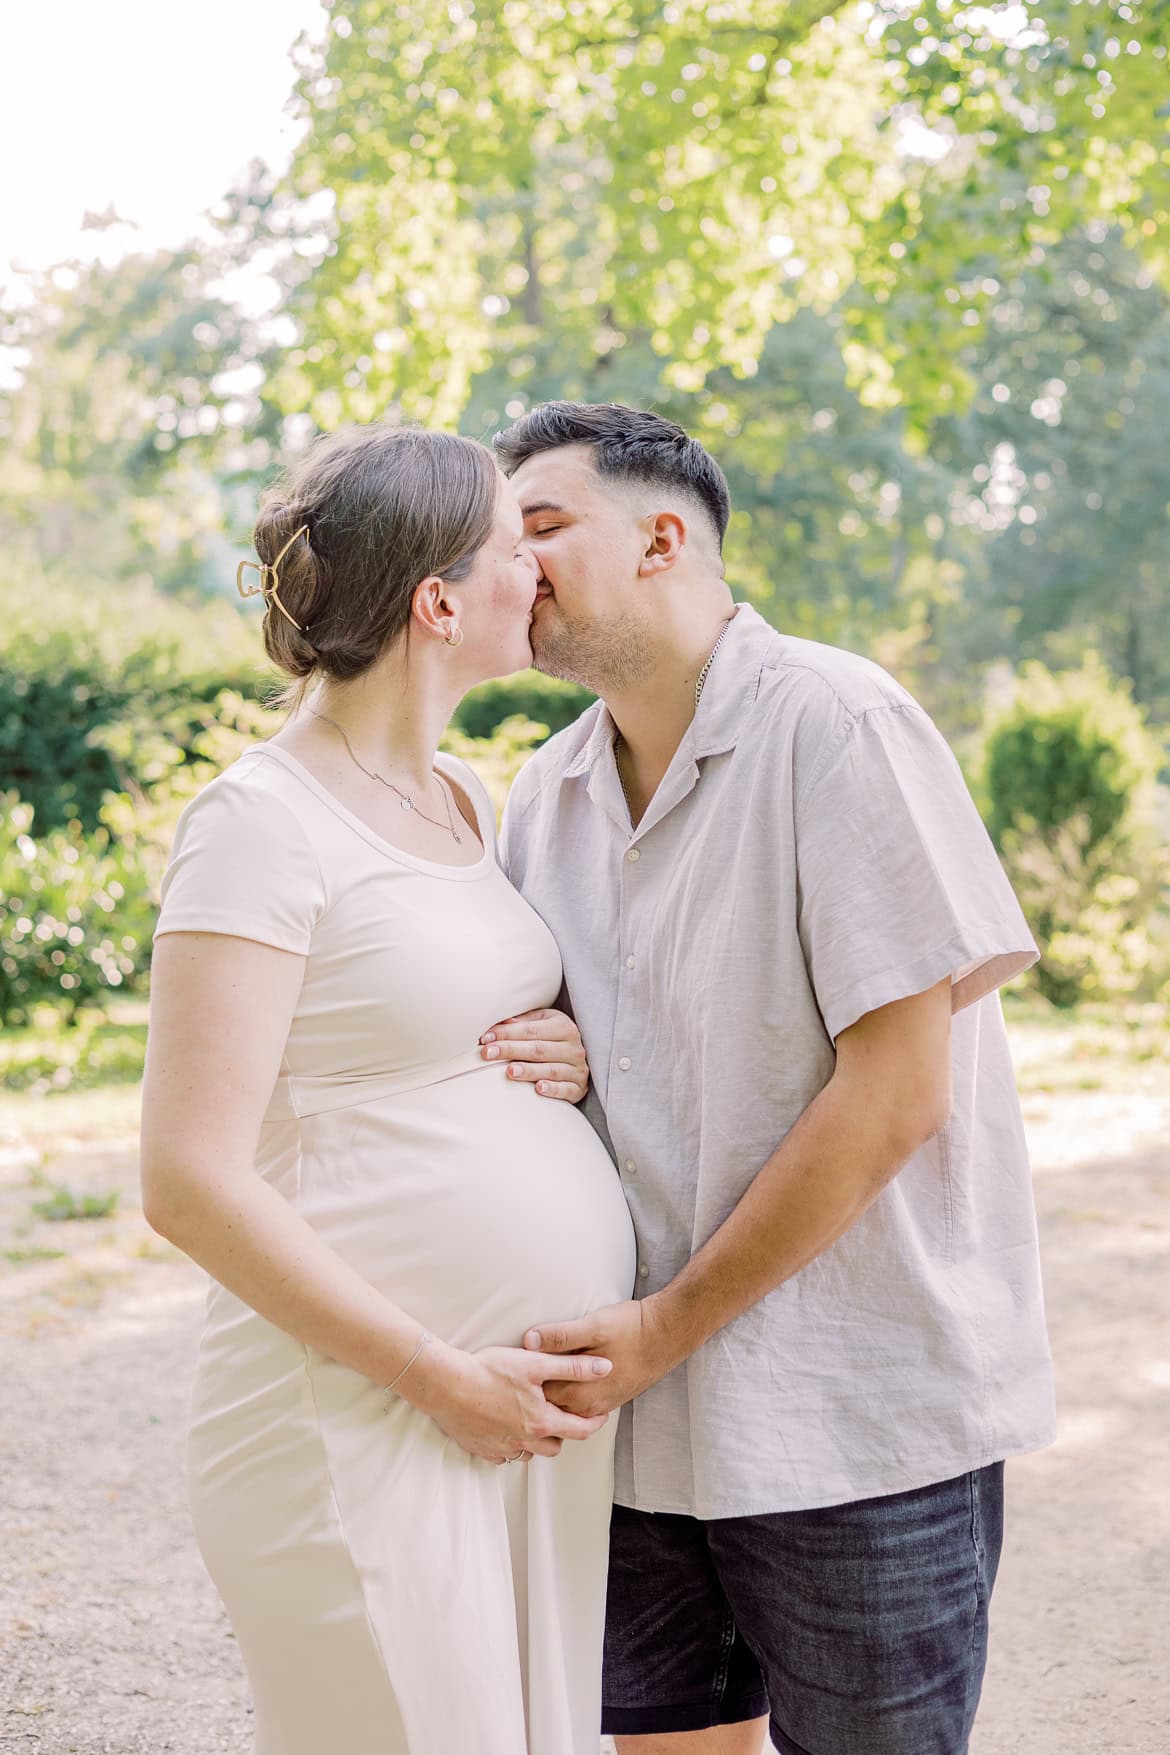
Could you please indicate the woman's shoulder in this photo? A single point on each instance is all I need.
(255, 794)
(242, 861)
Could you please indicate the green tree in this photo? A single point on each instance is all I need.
(139, 399)
(497, 181)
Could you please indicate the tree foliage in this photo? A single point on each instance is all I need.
(903, 268)
(493, 180)
(136, 406)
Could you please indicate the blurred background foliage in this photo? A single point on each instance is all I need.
(904, 269)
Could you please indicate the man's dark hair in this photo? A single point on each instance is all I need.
(628, 445)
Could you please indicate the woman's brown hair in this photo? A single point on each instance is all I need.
(383, 508)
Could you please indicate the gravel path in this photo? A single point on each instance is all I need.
(112, 1640)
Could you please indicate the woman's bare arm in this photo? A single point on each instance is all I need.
(220, 1014)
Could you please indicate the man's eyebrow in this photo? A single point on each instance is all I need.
(541, 506)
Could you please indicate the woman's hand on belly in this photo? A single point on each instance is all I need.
(543, 1048)
(492, 1402)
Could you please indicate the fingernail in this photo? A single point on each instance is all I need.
(493, 1053)
(532, 1338)
(488, 1036)
(602, 1367)
(541, 1086)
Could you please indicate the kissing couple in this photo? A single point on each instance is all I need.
(689, 1104)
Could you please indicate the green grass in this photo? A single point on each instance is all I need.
(100, 1051)
(78, 1082)
(1093, 1048)
(65, 1203)
(82, 1083)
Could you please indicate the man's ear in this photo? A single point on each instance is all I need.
(666, 535)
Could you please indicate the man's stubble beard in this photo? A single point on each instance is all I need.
(607, 657)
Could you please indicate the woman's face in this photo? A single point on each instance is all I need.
(495, 600)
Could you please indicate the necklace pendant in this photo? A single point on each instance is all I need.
(406, 804)
(458, 838)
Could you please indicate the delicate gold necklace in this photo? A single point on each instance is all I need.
(404, 798)
(618, 740)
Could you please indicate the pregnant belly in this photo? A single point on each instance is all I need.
(474, 1204)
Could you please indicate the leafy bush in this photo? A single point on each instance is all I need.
(1072, 744)
(1097, 924)
(74, 662)
(544, 700)
(1069, 775)
(78, 908)
(76, 916)
(499, 758)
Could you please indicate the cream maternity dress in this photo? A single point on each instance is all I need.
(390, 1593)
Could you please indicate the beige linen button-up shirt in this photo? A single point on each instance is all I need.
(811, 853)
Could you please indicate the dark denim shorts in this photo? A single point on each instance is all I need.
(859, 1629)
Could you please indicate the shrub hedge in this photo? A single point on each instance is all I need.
(1069, 774)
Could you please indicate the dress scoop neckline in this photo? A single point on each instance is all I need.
(432, 867)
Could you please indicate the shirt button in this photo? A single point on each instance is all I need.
(625, 1063)
(633, 855)
(629, 962)
(631, 1167)
(643, 1271)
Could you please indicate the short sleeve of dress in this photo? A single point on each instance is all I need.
(242, 865)
(899, 884)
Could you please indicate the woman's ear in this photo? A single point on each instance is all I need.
(666, 535)
(432, 608)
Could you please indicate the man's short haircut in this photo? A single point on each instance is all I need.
(628, 445)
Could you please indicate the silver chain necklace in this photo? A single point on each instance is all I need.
(404, 798)
(700, 680)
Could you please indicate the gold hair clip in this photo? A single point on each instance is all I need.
(269, 573)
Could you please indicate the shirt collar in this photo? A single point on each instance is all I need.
(732, 684)
(598, 741)
(729, 691)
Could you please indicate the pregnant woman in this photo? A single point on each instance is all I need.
(383, 1207)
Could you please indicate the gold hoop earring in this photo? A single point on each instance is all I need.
(455, 639)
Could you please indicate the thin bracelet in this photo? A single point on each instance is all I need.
(390, 1387)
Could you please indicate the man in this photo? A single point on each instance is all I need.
(783, 928)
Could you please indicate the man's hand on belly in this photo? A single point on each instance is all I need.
(544, 1048)
(627, 1334)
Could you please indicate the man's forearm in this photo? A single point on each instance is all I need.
(890, 1091)
(821, 1178)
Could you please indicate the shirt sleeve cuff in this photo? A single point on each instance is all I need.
(977, 963)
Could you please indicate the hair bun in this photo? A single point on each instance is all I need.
(394, 505)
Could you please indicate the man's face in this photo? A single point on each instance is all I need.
(589, 622)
